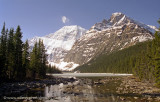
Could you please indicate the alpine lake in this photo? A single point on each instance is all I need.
(78, 87)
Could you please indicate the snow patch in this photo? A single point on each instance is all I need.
(65, 66)
(116, 14)
(153, 27)
(141, 38)
(119, 33)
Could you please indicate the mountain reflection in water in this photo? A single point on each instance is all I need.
(71, 92)
(82, 90)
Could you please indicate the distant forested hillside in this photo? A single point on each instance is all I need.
(122, 61)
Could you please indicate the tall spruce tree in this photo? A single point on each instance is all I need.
(43, 60)
(25, 57)
(10, 54)
(3, 49)
(19, 72)
(33, 61)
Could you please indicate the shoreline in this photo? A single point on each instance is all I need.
(89, 74)
(18, 87)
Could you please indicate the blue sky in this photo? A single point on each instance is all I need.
(41, 17)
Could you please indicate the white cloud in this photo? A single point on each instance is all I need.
(65, 19)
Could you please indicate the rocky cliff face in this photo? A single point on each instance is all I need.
(107, 36)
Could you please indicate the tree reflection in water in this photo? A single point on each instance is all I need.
(70, 92)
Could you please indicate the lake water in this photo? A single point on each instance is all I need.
(88, 87)
(88, 74)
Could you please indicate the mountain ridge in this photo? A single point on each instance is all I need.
(116, 33)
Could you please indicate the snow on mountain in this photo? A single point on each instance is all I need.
(116, 33)
(153, 27)
(119, 19)
(59, 43)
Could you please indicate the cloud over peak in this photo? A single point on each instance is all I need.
(65, 19)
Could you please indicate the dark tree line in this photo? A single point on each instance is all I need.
(122, 61)
(52, 69)
(38, 61)
(16, 63)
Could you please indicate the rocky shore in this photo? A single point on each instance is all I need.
(17, 88)
(131, 85)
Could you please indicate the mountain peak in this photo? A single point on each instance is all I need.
(67, 31)
(119, 19)
(71, 26)
(117, 14)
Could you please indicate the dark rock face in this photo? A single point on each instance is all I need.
(117, 33)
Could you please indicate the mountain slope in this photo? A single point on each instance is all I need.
(59, 43)
(111, 35)
(122, 61)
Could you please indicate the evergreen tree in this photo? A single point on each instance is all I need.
(25, 57)
(33, 61)
(10, 54)
(43, 59)
(52, 69)
(18, 72)
(38, 60)
(3, 49)
(41, 70)
(157, 57)
(14, 57)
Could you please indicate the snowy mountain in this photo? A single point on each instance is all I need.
(59, 43)
(116, 33)
(72, 46)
